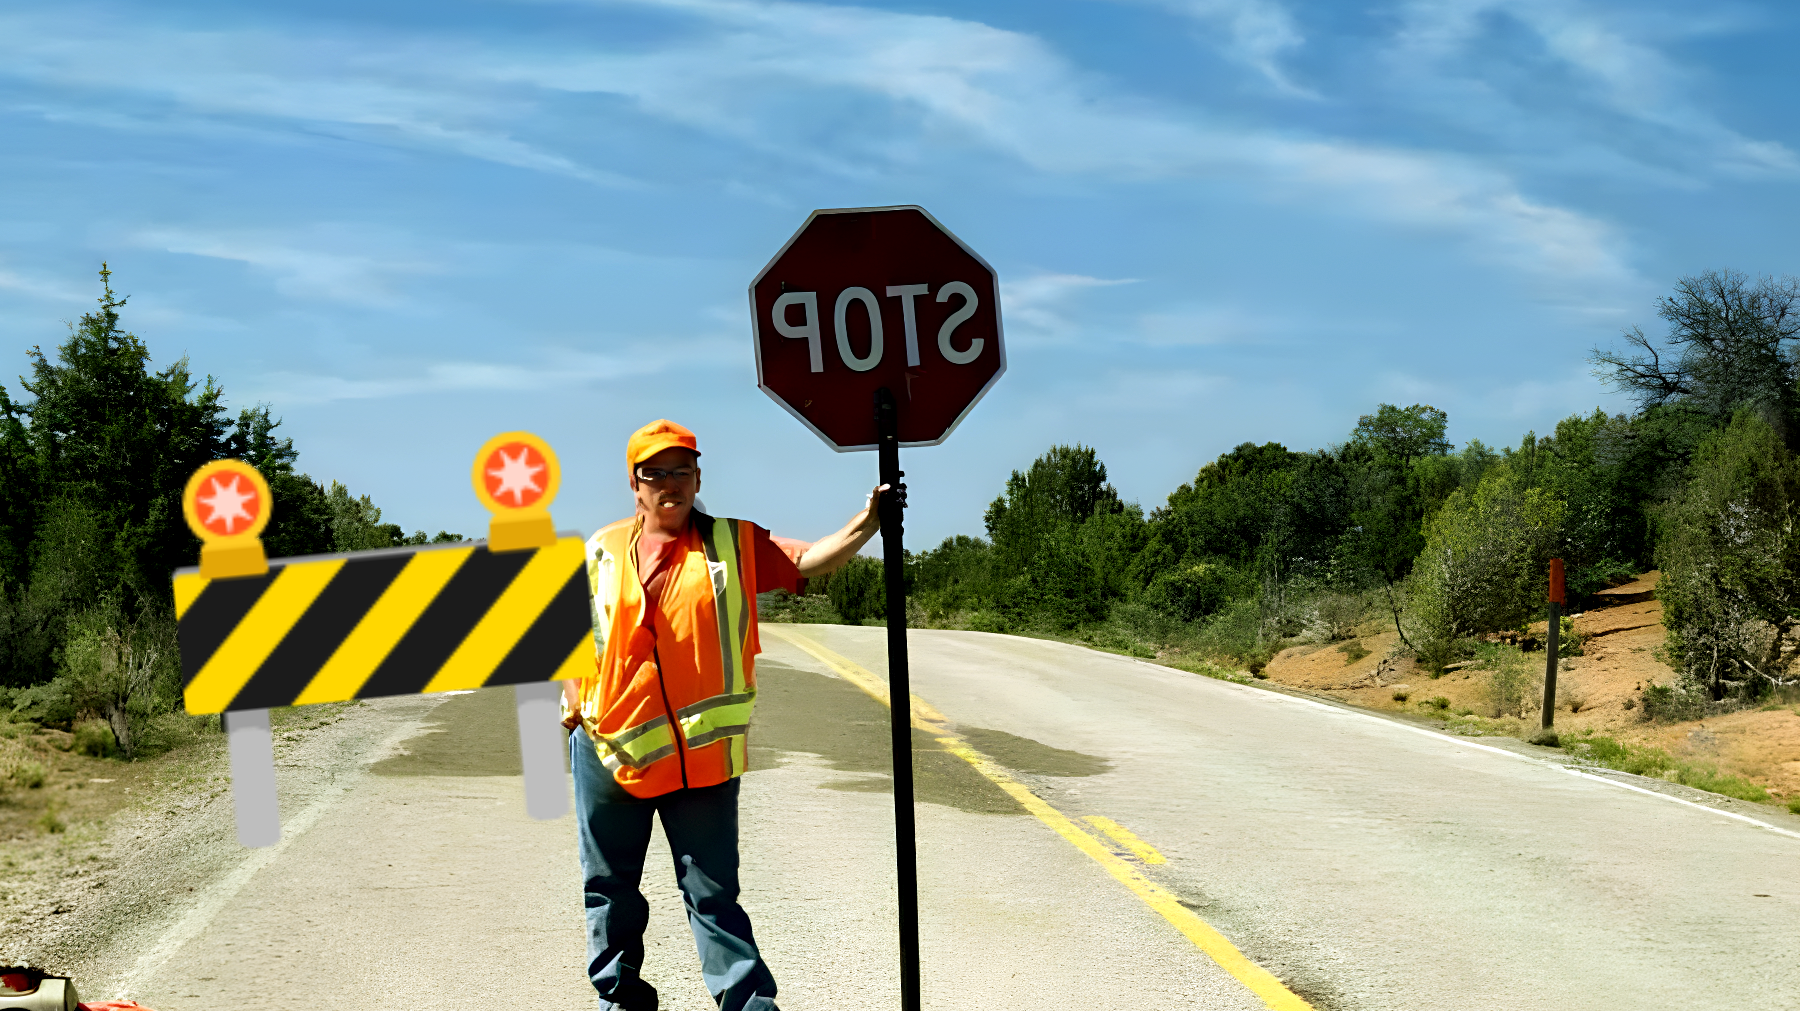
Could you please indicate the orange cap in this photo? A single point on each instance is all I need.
(655, 437)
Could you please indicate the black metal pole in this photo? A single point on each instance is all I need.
(893, 557)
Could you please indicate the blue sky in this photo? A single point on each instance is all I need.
(409, 226)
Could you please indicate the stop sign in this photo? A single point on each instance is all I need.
(866, 297)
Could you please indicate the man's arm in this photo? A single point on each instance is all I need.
(830, 553)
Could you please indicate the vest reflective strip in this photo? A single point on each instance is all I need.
(722, 544)
(639, 746)
(720, 716)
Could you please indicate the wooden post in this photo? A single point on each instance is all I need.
(1553, 641)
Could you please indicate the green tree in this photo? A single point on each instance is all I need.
(1402, 435)
(1730, 559)
(1485, 558)
(1040, 565)
(956, 575)
(858, 590)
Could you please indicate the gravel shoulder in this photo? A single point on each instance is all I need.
(151, 842)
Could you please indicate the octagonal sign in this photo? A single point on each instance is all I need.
(866, 297)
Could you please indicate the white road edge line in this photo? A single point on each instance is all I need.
(1465, 742)
(200, 915)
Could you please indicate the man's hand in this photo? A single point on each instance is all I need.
(572, 701)
(830, 553)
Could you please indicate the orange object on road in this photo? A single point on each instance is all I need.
(111, 1005)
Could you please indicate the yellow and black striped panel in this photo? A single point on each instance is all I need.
(427, 619)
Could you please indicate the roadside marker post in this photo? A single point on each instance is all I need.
(256, 633)
(882, 307)
(1552, 642)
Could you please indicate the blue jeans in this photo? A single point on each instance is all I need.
(701, 826)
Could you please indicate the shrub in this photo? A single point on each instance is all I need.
(1730, 557)
(1339, 614)
(1400, 696)
(1353, 651)
(1673, 703)
(1514, 681)
(30, 775)
(813, 608)
(1484, 559)
(49, 821)
(1794, 805)
(1193, 592)
(859, 589)
(94, 738)
(1439, 703)
(1437, 653)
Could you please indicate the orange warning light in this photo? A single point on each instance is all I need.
(516, 477)
(515, 474)
(227, 504)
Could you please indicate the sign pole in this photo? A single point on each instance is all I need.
(893, 556)
(1553, 641)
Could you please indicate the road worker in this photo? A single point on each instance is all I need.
(662, 725)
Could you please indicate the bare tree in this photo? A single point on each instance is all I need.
(1730, 345)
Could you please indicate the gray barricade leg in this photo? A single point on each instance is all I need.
(253, 777)
(541, 749)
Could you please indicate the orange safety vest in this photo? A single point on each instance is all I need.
(669, 703)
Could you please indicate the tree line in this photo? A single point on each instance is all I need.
(1267, 544)
(95, 452)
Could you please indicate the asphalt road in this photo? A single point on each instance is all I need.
(1364, 863)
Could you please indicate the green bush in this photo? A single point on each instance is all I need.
(989, 621)
(1642, 760)
(858, 591)
(1353, 651)
(1674, 703)
(93, 738)
(30, 775)
(810, 609)
(1439, 703)
(1193, 592)
(49, 820)
(1515, 680)
(1730, 558)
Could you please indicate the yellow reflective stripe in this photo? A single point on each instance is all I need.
(506, 622)
(640, 745)
(734, 610)
(187, 590)
(375, 636)
(719, 721)
(231, 666)
(740, 754)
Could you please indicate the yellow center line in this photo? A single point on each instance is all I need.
(1258, 980)
(1124, 837)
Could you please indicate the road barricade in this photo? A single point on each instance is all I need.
(257, 633)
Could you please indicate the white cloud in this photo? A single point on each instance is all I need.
(529, 371)
(314, 265)
(1010, 93)
(40, 287)
(1036, 306)
(1625, 73)
(403, 94)
(849, 90)
(1258, 33)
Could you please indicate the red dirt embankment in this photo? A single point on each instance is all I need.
(1605, 685)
